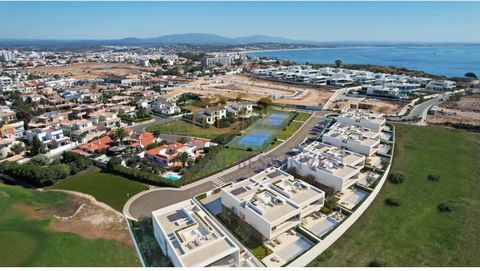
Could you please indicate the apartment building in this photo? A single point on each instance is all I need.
(354, 138)
(373, 121)
(190, 238)
(329, 165)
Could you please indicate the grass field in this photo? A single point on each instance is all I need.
(416, 233)
(303, 116)
(225, 158)
(30, 242)
(105, 187)
(180, 127)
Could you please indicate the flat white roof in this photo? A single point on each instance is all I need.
(194, 236)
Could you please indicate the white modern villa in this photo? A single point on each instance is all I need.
(188, 236)
(373, 121)
(354, 138)
(329, 165)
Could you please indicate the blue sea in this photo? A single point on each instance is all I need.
(448, 60)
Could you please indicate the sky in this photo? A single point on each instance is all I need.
(317, 21)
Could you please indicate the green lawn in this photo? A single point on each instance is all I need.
(108, 188)
(180, 127)
(30, 242)
(416, 233)
(289, 130)
(303, 116)
(225, 158)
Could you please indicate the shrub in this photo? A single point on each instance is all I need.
(444, 208)
(249, 149)
(392, 202)
(201, 196)
(217, 190)
(142, 176)
(396, 178)
(433, 177)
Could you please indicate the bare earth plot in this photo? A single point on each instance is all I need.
(465, 110)
(233, 86)
(92, 70)
(386, 107)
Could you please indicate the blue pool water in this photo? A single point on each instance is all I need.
(256, 139)
(171, 177)
(448, 60)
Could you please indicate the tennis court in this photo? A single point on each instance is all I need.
(259, 135)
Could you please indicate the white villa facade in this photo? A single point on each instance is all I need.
(189, 237)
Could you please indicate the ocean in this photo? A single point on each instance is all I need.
(447, 60)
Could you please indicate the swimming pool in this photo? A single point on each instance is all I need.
(172, 176)
(255, 139)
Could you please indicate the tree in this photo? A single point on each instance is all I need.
(147, 245)
(471, 75)
(264, 102)
(182, 140)
(184, 158)
(37, 147)
(338, 63)
(40, 159)
(120, 134)
(17, 148)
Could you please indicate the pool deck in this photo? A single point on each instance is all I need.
(286, 247)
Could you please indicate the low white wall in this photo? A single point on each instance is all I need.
(61, 149)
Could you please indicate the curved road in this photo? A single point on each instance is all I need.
(142, 204)
(420, 110)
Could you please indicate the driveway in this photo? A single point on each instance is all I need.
(144, 203)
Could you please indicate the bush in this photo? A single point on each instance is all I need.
(396, 178)
(392, 202)
(201, 196)
(249, 149)
(141, 175)
(217, 190)
(376, 263)
(444, 208)
(433, 177)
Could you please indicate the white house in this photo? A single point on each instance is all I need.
(211, 114)
(47, 137)
(329, 165)
(190, 238)
(266, 211)
(371, 120)
(440, 85)
(354, 138)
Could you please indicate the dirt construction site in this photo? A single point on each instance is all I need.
(458, 109)
(252, 89)
(92, 70)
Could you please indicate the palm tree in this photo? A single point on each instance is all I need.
(184, 158)
(17, 148)
(120, 134)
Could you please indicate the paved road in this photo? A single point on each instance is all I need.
(158, 120)
(144, 203)
(420, 110)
